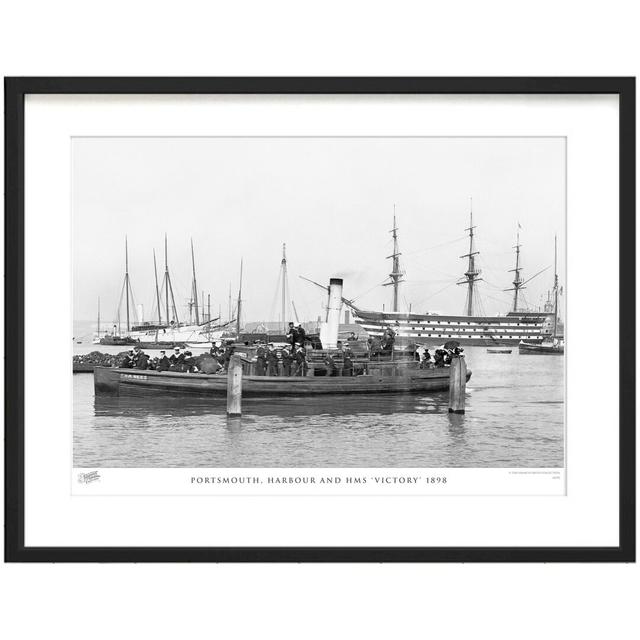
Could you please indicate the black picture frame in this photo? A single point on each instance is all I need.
(15, 91)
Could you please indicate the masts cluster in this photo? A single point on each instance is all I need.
(473, 273)
(164, 298)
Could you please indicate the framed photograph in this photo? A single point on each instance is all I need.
(320, 319)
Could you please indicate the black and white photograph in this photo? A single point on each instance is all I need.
(319, 302)
(312, 327)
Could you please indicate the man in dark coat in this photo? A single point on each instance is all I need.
(176, 359)
(142, 361)
(388, 338)
(272, 361)
(374, 346)
(261, 362)
(301, 362)
(128, 362)
(302, 336)
(347, 362)
(163, 362)
(286, 362)
(331, 365)
(189, 362)
(292, 335)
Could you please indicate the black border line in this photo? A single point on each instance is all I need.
(15, 91)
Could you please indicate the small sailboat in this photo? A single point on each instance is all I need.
(498, 350)
(550, 345)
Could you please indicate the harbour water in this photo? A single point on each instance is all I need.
(514, 418)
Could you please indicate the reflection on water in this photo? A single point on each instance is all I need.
(514, 418)
(135, 407)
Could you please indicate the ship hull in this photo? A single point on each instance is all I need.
(131, 382)
(432, 330)
(541, 349)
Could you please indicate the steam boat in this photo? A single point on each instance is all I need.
(393, 373)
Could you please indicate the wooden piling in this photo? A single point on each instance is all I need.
(457, 384)
(234, 387)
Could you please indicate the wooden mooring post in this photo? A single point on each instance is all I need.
(234, 387)
(457, 384)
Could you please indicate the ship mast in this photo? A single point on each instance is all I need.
(126, 288)
(166, 277)
(168, 287)
(127, 284)
(396, 273)
(98, 316)
(472, 274)
(555, 288)
(283, 277)
(155, 273)
(194, 285)
(518, 282)
(239, 299)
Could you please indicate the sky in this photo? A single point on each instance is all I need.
(331, 200)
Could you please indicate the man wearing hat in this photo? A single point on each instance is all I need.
(261, 362)
(292, 334)
(163, 362)
(176, 359)
(301, 361)
(302, 336)
(141, 358)
(272, 361)
(286, 362)
(347, 362)
(330, 363)
(189, 362)
(128, 360)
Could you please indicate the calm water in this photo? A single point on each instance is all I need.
(515, 418)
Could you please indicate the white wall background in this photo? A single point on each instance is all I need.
(329, 38)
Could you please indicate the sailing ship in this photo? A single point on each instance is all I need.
(553, 345)
(168, 331)
(470, 330)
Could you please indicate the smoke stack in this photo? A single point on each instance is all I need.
(329, 329)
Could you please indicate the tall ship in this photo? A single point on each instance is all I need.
(435, 329)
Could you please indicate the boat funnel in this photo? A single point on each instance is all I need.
(329, 329)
